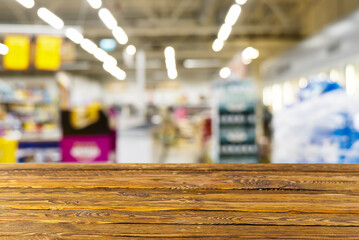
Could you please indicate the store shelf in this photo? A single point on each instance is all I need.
(235, 123)
(27, 102)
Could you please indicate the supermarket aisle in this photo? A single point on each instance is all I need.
(138, 146)
(134, 146)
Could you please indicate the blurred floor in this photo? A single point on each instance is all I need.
(138, 146)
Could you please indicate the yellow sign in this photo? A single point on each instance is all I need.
(48, 53)
(8, 150)
(82, 117)
(18, 57)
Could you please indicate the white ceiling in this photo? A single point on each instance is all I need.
(190, 26)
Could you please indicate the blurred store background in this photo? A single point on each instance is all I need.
(169, 81)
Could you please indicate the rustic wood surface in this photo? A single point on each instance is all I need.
(162, 201)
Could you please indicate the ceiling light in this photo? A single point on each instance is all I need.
(250, 53)
(74, 35)
(88, 46)
(110, 60)
(108, 67)
(50, 18)
(233, 14)
(225, 72)
(100, 54)
(171, 62)
(217, 45)
(103, 56)
(172, 74)
(115, 71)
(120, 35)
(246, 61)
(241, 2)
(131, 50)
(107, 18)
(224, 32)
(4, 49)
(169, 52)
(119, 73)
(95, 4)
(27, 3)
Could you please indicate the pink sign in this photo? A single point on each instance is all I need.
(86, 149)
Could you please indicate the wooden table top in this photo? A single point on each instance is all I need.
(200, 201)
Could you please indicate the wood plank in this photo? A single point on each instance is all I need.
(138, 231)
(107, 216)
(170, 180)
(347, 168)
(163, 200)
(139, 201)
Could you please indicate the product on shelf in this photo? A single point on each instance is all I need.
(234, 123)
(323, 128)
(29, 120)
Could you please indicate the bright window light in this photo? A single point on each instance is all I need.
(233, 14)
(74, 35)
(277, 97)
(89, 46)
(267, 96)
(95, 4)
(217, 45)
(131, 50)
(250, 53)
(225, 72)
(350, 79)
(334, 75)
(288, 93)
(241, 2)
(50, 18)
(120, 35)
(27, 3)
(224, 32)
(302, 82)
(107, 18)
(4, 49)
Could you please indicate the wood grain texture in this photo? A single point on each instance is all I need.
(170, 201)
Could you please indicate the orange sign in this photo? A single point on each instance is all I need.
(48, 53)
(18, 57)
